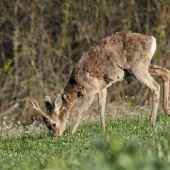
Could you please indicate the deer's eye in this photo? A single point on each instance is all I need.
(54, 124)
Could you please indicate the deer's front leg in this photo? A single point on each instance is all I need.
(87, 100)
(102, 104)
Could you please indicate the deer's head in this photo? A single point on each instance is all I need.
(51, 118)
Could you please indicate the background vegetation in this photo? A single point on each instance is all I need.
(41, 40)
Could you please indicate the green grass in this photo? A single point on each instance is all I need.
(129, 142)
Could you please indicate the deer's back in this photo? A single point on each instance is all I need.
(123, 50)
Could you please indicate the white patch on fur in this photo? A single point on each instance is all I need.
(153, 49)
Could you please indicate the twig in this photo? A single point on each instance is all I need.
(10, 109)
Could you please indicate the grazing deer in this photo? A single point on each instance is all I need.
(113, 59)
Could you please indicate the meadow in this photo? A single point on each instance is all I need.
(40, 43)
(129, 142)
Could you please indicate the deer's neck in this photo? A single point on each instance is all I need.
(68, 97)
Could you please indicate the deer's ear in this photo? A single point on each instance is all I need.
(58, 103)
(48, 104)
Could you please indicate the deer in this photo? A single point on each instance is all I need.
(113, 59)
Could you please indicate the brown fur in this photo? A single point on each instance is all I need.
(112, 59)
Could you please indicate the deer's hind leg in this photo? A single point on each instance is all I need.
(145, 78)
(163, 73)
(102, 104)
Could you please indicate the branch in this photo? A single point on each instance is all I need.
(9, 110)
